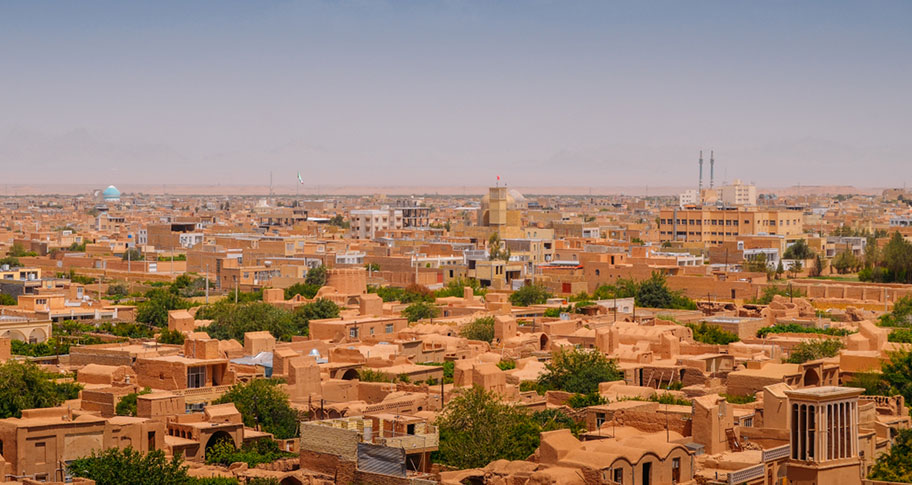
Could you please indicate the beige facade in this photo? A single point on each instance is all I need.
(715, 226)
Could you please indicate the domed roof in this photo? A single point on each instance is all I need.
(516, 196)
(111, 191)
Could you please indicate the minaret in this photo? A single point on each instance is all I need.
(701, 171)
(712, 163)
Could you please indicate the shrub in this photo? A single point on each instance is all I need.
(739, 399)
(795, 328)
(252, 453)
(578, 401)
(115, 466)
(420, 311)
(530, 295)
(669, 398)
(127, 404)
(264, 405)
(711, 334)
(814, 349)
(578, 371)
(480, 329)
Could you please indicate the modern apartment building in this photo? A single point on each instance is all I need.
(365, 223)
(717, 225)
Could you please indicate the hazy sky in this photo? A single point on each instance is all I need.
(450, 93)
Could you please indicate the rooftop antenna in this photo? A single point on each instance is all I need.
(712, 163)
(701, 171)
(270, 183)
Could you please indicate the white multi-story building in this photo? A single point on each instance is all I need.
(737, 194)
(366, 222)
(689, 197)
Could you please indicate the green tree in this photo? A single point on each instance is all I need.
(420, 311)
(171, 337)
(873, 383)
(844, 262)
(308, 291)
(370, 375)
(897, 372)
(815, 270)
(7, 299)
(901, 316)
(24, 385)
(187, 286)
(115, 466)
(317, 310)
(578, 371)
(339, 221)
(18, 251)
(455, 287)
(476, 428)
(896, 464)
(530, 295)
(316, 276)
(232, 321)
(799, 250)
(253, 453)
(159, 301)
(711, 334)
(654, 293)
(757, 263)
(901, 335)
(127, 404)
(11, 261)
(479, 329)
(814, 349)
(414, 293)
(771, 291)
(497, 249)
(265, 406)
(133, 254)
(117, 290)
(579, 401)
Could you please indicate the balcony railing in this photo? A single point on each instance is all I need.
(776, 453)
(746, 474)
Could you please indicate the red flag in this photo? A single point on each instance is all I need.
(498, 177)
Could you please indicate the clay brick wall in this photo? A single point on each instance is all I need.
(330, 440)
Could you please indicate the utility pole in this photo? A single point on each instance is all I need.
(207, 283)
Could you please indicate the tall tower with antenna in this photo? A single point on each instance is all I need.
(701, 171)
(712, 163)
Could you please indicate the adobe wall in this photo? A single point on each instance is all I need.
(82, 356)
(340, 442)
(349, 281)
(653, 421)
(324, 463)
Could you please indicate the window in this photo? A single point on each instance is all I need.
(599, 420)
(389, 328)
(618, 475)
(196, 377)
(353, 332)
(675, 470)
